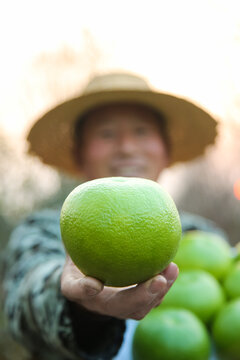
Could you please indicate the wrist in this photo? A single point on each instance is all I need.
(80, 311)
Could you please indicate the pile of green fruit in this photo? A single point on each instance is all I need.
(199, 318)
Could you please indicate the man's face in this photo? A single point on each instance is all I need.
(122, 140)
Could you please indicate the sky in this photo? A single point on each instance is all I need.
(187, 47)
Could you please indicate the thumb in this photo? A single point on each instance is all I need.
(81, 288)
(90, 286)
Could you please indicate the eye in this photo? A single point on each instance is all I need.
(141, 130)
(106, 133)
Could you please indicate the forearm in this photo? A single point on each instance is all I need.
(99, 336)
(39, 316)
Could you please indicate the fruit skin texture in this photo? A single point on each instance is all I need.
(120, 230)
(206, 251)
(171, 334)
(226, 331)
(231, 283)
(197, 291)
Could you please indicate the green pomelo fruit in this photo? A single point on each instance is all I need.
(231, 283)
(206, 251)
(171, 334)
(197, 291)
(226, 331)
(119, 230)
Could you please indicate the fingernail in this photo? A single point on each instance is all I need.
(170, 282)
(171, 273)
(91, 291)
(155, 286)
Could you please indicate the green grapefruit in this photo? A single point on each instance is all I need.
(171, 334)
(226, 331)
(206, 251)
(120, 230)
(231, 283)
(197, 291)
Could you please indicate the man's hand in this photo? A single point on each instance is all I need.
(123, 303)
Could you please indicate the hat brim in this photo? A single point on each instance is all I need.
(190, 129)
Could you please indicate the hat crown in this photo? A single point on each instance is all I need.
(114, 82)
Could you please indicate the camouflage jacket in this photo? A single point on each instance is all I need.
(38, 315)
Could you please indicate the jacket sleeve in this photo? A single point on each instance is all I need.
(38, 314)
(196, 222)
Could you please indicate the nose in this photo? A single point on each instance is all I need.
(126, 144)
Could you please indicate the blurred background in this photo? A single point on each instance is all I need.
(49, 50)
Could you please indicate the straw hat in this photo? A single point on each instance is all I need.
(190, 128)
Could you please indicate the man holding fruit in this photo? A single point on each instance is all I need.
(117, 127)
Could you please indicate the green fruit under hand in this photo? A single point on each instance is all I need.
(171, 334)
(197, 291)
(206, 251)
